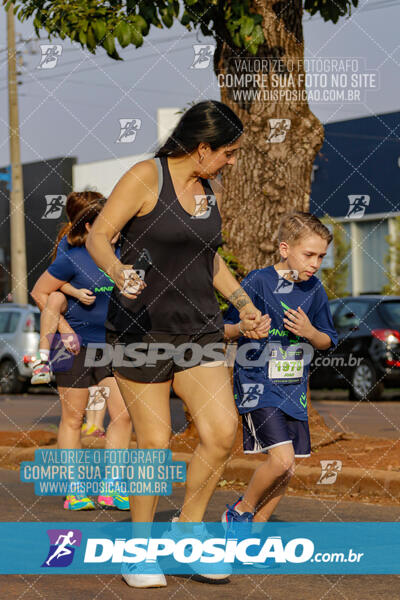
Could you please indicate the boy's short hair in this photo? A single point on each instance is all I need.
(297, 225)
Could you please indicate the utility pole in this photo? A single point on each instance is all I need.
(19, 288)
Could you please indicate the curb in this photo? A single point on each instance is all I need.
(350, 480)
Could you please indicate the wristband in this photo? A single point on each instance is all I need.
(240, 328)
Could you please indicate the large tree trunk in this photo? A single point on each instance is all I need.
(269, 179)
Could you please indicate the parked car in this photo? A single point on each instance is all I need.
(19, 337)
(367, 356)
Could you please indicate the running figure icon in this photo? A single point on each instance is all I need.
(62, 549)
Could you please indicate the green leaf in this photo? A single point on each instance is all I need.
(204, 29)
(190, 2)
(247, 26)
(109, 44)
(166, 18)
(99, 28)
(131, 6)
(123, 33)
(186, 18)
(91, 39)
(136, 36)
(82, 37)
(141, 24)
(236, 40)
(258, 35)
(252, 48)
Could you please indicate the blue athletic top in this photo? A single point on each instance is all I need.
(74, 265)
(63, 246)
(271, 294)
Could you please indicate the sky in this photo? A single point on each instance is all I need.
(75, 108)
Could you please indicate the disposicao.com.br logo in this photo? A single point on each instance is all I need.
(184, 548)
(217, 551)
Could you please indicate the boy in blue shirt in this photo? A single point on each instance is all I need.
(270, 374)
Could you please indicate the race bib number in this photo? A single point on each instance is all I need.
(286, 367)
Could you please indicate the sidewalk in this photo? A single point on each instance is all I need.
(366, 467)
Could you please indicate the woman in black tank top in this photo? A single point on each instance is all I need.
(167, 207)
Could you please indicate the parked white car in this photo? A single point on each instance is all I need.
(19, 338)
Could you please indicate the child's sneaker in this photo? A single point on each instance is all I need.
(114, 500)
(238, 524)
(41, 371)
(144, 575)
(74, 502)
(92, 431)
(98, 432)
(233, 516)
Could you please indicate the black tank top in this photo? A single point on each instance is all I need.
(179, 297)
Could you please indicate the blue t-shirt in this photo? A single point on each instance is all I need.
(63, 246)
(253, 388)
(74, 265)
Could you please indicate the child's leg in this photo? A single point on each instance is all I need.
(56, 305)
(269, 482)
(95, 417)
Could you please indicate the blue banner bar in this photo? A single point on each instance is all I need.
(177, 548)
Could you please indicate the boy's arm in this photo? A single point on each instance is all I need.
(298, 323)
(320, 340)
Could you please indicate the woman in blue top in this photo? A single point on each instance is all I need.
(73, 377)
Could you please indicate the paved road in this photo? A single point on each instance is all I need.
(19, 503)
(379, 419)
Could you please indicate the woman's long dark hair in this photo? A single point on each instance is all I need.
(210, 122)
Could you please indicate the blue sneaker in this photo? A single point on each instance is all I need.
(233, 516)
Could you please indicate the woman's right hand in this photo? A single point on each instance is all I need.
(261, 331)
(127, 280)
(250, 316)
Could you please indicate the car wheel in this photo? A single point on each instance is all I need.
(9, 378)
(363, 382)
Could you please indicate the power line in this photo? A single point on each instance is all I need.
(102, 66)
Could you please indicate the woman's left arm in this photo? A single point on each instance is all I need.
(227, 285)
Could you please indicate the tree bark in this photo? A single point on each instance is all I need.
(268, 179)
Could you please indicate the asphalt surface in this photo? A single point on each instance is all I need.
(18, 503)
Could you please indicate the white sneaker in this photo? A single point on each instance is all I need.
(199, 531)
(138, 580)
(131, 575)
